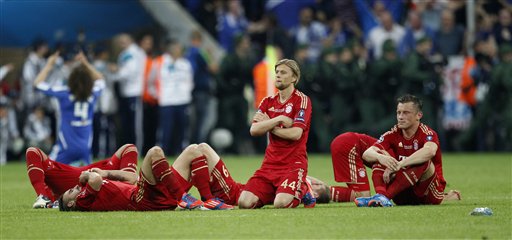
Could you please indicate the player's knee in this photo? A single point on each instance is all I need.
(247, 201)
(36, 151)
(193, 151)
(155, 153)
(283, 200)
(126, 148)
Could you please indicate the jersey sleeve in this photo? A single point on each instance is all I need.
(302, 118)
(263, 106)
(99, 85)
(54, 91)
(86, 197)
(384, 142)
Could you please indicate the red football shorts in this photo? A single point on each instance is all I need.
(149, 197)
(267, 183)
(349, 167)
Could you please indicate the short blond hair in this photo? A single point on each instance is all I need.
(292, 65)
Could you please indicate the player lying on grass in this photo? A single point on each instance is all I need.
(51, 179)
(156, 189)
(211, 177)
(417, 176)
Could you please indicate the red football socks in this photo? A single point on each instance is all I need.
(340, 194)
(201, 177)
(35, 171)
(165, 175)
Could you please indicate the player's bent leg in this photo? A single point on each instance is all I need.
(247, 200)
(212, 156)
(125, 148)
(153, 155)
(285, 200)
(35, 171)
(182, 163)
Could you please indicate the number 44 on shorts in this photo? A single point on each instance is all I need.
(291, 185)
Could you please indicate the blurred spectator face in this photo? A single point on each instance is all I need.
(306, 16)
(39, 113)
(504, 18)
(346, 55)
(379, 8)
(301, 54)
(175, 49)
(124, 41)
(387, 21)
(234, 7)
(245, 43)
(146, 43)
(42, 50)
(415, 20)
(3, 111)
(424, 47)
(447, 20)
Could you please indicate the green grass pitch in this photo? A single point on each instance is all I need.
(485, 180)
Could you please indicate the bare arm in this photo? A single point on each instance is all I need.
(372, 155)
(263, 124)
(117, 175)
(95, 74)
(43, 74)
(93, 179)
(293, 133)
(427, 152)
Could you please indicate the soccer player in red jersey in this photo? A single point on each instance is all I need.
(51, 179)
(286, 117)
(156, 189)
(417, 176)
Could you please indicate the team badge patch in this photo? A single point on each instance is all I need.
(381, 139)
(300, 116)
(429, 138)
(362, 172)
(288, 108)
(415, 144)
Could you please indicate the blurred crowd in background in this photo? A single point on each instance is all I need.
(356, 58)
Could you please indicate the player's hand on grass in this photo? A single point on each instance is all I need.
(452, 195)
(389, 162)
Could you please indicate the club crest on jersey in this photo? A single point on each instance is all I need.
(415, 143)
(429, 138)
(362, 172)
(288, 108)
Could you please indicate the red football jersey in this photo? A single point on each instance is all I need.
(403, 147)
(282, 153)
(113, 196)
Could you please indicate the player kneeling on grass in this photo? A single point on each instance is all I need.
(208, 173)
(156, 189)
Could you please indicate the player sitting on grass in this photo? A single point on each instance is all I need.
(156, 189)
(417, 176)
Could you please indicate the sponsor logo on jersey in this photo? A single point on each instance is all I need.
(408, 147)
(429, 138)
(272, 109)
